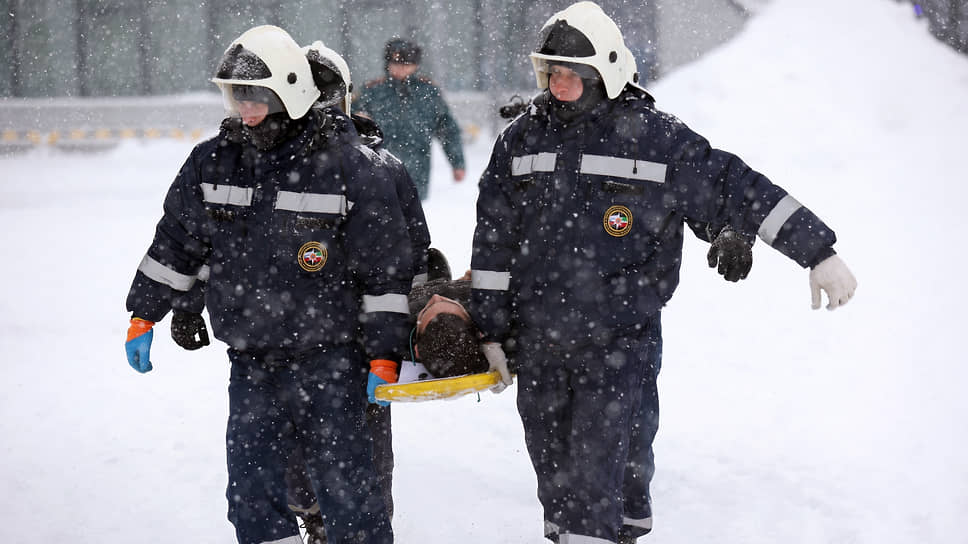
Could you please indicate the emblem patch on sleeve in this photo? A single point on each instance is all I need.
(312, 256)
(617, 221)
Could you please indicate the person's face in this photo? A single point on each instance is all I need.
(252, 113)
(564, 83)
(439, 305)
(401, 71)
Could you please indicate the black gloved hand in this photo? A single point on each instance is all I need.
(513, 108)
(185, 327)
(733, 255)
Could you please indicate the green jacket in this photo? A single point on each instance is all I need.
(410, 113)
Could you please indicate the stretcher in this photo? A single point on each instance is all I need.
(417, 385)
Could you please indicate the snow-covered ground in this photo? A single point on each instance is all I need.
(780, 424)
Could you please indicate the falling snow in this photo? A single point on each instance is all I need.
(780, 424)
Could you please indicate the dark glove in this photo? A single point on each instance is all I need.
(185, 327)
(513, 108)
(733, 255)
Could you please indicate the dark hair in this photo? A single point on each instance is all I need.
(449, 347)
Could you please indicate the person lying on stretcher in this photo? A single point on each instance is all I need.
(443, 339)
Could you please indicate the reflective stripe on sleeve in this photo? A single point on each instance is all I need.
(227, 194)
(162, 274)
(287, 540)
(311, 202)
(778, 216)
(600, 165)
(566, 538)
(488, 279)
(386, 303)
(644, 523)
(542, 162)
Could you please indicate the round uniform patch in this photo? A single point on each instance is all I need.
(312, 256)
(617, 221)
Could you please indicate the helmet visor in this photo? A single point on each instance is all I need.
(547, 66)
(243, 78)
(249, 101)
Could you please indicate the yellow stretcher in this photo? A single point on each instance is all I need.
(439, 388)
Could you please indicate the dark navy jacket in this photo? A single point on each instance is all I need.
(372, 138)
(580, 224)
(306, 243)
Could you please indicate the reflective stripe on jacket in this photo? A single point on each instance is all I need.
(580, 225)
(306, 244)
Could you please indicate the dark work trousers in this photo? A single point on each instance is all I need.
(640, 465)
(301, 495)
(313, 401)
(590, 414)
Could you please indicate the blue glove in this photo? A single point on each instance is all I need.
(382, 372)
(138, 345)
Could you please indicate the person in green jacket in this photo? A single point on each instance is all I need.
(411, 111)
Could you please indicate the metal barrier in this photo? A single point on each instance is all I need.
(101, 123)
(54, 137)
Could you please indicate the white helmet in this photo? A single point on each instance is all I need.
(583, 34)
(331, 75)
(267, 56)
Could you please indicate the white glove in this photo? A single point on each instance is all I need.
(833, 276)
(496, 360)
